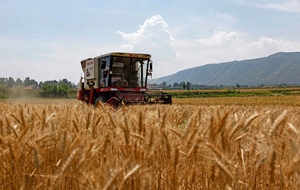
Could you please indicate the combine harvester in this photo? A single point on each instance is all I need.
(118, 79)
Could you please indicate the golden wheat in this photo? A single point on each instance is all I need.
(149, 147)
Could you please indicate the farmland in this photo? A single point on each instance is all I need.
(233, 92)
(198, 143)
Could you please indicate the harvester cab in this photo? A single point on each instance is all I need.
(118, 79)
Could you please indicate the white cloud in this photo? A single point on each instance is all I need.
(289, 6)
(220, 38)
(277, 5)
(153, 28)
(154, 38)
(269, 43)
(126, 47)
(266, 46)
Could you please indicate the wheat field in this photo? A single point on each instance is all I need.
(241, 101)
(149, 147)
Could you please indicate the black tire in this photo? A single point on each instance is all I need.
(99, 99)
(115, 104)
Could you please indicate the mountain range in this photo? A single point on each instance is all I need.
(282, 67)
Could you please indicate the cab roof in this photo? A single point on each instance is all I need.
(122, 54)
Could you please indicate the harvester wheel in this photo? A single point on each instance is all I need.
(99, 99)
(115, 104)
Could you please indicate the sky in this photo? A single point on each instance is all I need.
(46, 40)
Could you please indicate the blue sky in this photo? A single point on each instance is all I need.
(46, 40)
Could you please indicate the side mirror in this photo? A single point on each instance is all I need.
(103, 65)
(150, 70)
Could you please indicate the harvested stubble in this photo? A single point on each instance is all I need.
(149, 147)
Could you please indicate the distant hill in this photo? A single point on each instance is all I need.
(274, 69)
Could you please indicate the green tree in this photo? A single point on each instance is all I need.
(26, 81)
(11, 82)
(53, 82)
(69, 83)
(188, 85)
(3, 91)
(33, 82)
(176, 85)
(183, 85)
(3, 88)
(19, 82)
(40, 84)
(63, 90)
(46, 89)
(54, 90)
(3, 80)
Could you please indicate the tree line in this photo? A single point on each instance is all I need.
(10, 82)
(182, 86)
(11, 88)
(189, 86)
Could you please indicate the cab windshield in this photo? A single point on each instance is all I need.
(129, 72)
